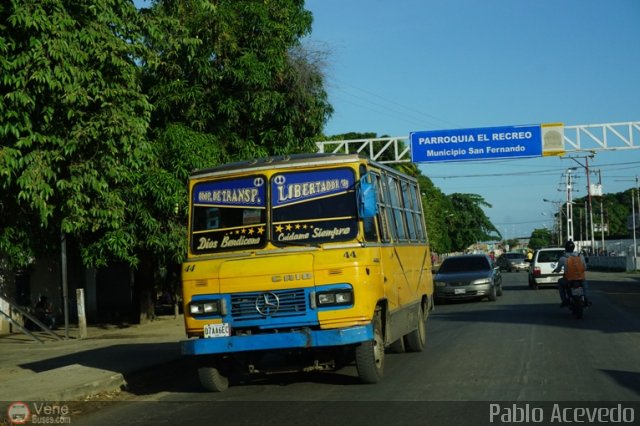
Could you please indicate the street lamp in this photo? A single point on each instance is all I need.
(569, 205)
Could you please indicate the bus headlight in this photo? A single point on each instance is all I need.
(339, 297)
(207, 307)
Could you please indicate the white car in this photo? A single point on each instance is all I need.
(543, 263)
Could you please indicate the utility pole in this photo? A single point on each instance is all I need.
(635, 245)
(633, 227)
(569, 206)
(593, 240)
(584, 236)
(65, 286)
(601, 210)
(589, 205)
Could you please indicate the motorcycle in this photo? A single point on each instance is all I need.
(577, 301)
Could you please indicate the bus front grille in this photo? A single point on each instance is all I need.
(272, 304)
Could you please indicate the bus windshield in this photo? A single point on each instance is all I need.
(229, 215)
(307, 208)
(313, 207)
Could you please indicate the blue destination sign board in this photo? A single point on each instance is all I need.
(476, 144)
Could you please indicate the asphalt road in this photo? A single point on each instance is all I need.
(480, 356)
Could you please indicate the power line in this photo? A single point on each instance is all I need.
(520, 223)
(416, 114)
(548, 172)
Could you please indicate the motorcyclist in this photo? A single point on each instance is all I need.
(563, 283)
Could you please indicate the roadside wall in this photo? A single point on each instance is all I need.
(613, 263)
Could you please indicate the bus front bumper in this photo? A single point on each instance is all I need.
(306, 338)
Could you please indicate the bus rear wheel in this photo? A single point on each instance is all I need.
(370, 355)
(417, 339)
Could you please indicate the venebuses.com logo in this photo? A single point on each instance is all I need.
(21, 413)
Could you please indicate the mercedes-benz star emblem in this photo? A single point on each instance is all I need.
(267, 304)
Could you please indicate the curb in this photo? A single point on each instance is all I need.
(80, 381)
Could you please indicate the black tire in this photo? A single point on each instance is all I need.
(577, 306)
(417, 339)
(212, 380)
(499, 293)
(493, 295)
(370, 355)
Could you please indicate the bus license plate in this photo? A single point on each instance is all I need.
(216, 330)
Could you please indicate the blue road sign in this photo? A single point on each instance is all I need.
(476, 144)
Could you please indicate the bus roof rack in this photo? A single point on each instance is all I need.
(270, 162)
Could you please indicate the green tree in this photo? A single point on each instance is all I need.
(470, 224)
(229, 81)
(159, 218)
(540, 238)
(615, 207)
(72, 126)
(439, 215)
(236, 70)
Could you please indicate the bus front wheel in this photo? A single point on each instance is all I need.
(212, 380)
(370, 355)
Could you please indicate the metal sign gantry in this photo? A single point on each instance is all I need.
(578, 138)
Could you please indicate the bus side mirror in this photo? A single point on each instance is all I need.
(367, 203)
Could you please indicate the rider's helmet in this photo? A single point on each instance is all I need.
(569, 246)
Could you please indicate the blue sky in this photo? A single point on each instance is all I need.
(416, 65)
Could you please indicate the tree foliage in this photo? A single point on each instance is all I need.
(611, 209)
(72, 124)
(438, 213)
(235, 69)
(107, 109)
(610, 212)
(469, 223)
(540, 238)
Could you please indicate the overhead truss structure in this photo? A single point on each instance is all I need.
(580, 138)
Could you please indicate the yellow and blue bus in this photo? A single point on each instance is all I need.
(317, 261)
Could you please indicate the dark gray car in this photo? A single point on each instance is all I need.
(471, 276)
(512, 262)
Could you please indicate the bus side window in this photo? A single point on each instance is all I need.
(370, 233)
(382, 209)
